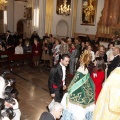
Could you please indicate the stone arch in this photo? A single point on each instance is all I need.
(22, 27)
(62, 28)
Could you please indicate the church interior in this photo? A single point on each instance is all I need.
(67, 19)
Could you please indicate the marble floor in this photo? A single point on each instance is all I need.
(32, 86)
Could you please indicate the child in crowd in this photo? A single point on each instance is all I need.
(27, 48)
(19, 49)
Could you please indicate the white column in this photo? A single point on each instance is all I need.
(35, 15)
(72, 17)
(5, 20)
(10, 15)
(32, 22)
(29, 22)
(42, 14)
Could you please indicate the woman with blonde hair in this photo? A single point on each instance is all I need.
(79, 99)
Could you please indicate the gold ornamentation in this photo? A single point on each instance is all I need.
(81, 90)
(64, 9)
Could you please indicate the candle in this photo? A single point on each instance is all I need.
(108, 30)
(59, 10)
(105, 29)
(49, 28)
(102, 29)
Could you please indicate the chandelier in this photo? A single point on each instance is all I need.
(64, 9)
(3, 2)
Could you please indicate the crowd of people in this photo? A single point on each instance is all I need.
(82, 99)
(88, 63)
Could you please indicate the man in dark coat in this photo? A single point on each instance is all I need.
(56, 81)
(47, 116)
(34, 35)
(114, 63)
(9, 41)
(55, 112)
(16, 38)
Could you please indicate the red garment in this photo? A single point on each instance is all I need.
(36, 48)
(71, 49)
(98, 79)
(55, 86)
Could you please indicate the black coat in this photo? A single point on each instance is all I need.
(10, 41)
(55, 77)
(105, 58)
(81, 50)
(50, 46)
(46, 116)
(114, 63)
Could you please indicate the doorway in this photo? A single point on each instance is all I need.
(21, 28)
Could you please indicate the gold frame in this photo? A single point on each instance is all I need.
(28, 13)
(88, 14)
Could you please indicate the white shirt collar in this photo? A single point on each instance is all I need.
(64, 73)
(62, 64)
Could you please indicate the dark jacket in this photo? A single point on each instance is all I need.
(27, 49)
(46, 116)
(114, 63)
(78, 51)
(9, 41)
(16, 38)
(81, 50)
(50, 46)
(55, 78)
(105, 58)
